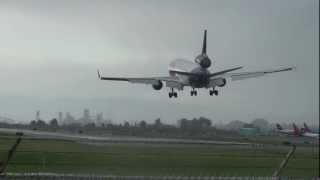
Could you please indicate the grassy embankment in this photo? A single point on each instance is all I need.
(155, 159)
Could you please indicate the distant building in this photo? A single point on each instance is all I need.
(249, 131)
(99, 119)
(37, 116)
(60, 118)
(194, 123)
(69, 119)
(86, 114)
(235, 125)
(86, 118)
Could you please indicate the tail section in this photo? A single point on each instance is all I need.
(296, 130)
(204, 45)
(306, 128)
(279, 127)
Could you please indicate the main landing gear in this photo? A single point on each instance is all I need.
(213, 92)
(193, 92)
(173, 94)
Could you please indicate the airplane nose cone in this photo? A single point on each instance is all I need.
(205, 63)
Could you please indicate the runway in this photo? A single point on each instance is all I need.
(110, 139)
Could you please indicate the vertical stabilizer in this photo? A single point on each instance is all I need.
(296, 129)
(306, 128)
(279, 127)
(204, 45)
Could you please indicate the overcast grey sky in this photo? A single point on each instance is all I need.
(50, 50)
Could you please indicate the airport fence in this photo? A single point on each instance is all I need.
(160, 162)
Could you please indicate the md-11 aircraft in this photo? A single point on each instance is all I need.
(195, 74)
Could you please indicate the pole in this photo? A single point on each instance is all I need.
(285, 161)
(10, 154)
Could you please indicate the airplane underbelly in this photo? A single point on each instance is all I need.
(184, 79)
(198, 82)
(188, 66)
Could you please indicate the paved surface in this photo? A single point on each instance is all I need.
(87, 138)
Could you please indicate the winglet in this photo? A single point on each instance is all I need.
(99, 76)
(204, 45)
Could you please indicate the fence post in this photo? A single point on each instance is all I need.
(10, 154)
(284, 162)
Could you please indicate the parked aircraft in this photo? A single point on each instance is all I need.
(291, 132)
(305, 131)
(195, 74)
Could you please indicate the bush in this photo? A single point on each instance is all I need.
(286, 143)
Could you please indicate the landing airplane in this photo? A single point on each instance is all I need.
(290, 132)
(194, 74)
(306, 132)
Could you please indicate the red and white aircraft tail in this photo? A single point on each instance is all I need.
(306, 132)
(306, 128)
(296, 130)
(279, 127)
(291, 132)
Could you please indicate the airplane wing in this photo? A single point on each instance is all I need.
(145, 80)
(246, 75)
(209, 75)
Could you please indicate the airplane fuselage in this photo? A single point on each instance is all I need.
(201, 80)
(199, 67)
(312, 135)
(288, 132)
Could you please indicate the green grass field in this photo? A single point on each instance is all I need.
(155, 159)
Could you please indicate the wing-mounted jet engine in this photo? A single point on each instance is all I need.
(158, 86)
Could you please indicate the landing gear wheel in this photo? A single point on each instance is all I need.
(173, 93)
(193, 93)
(213, 92)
